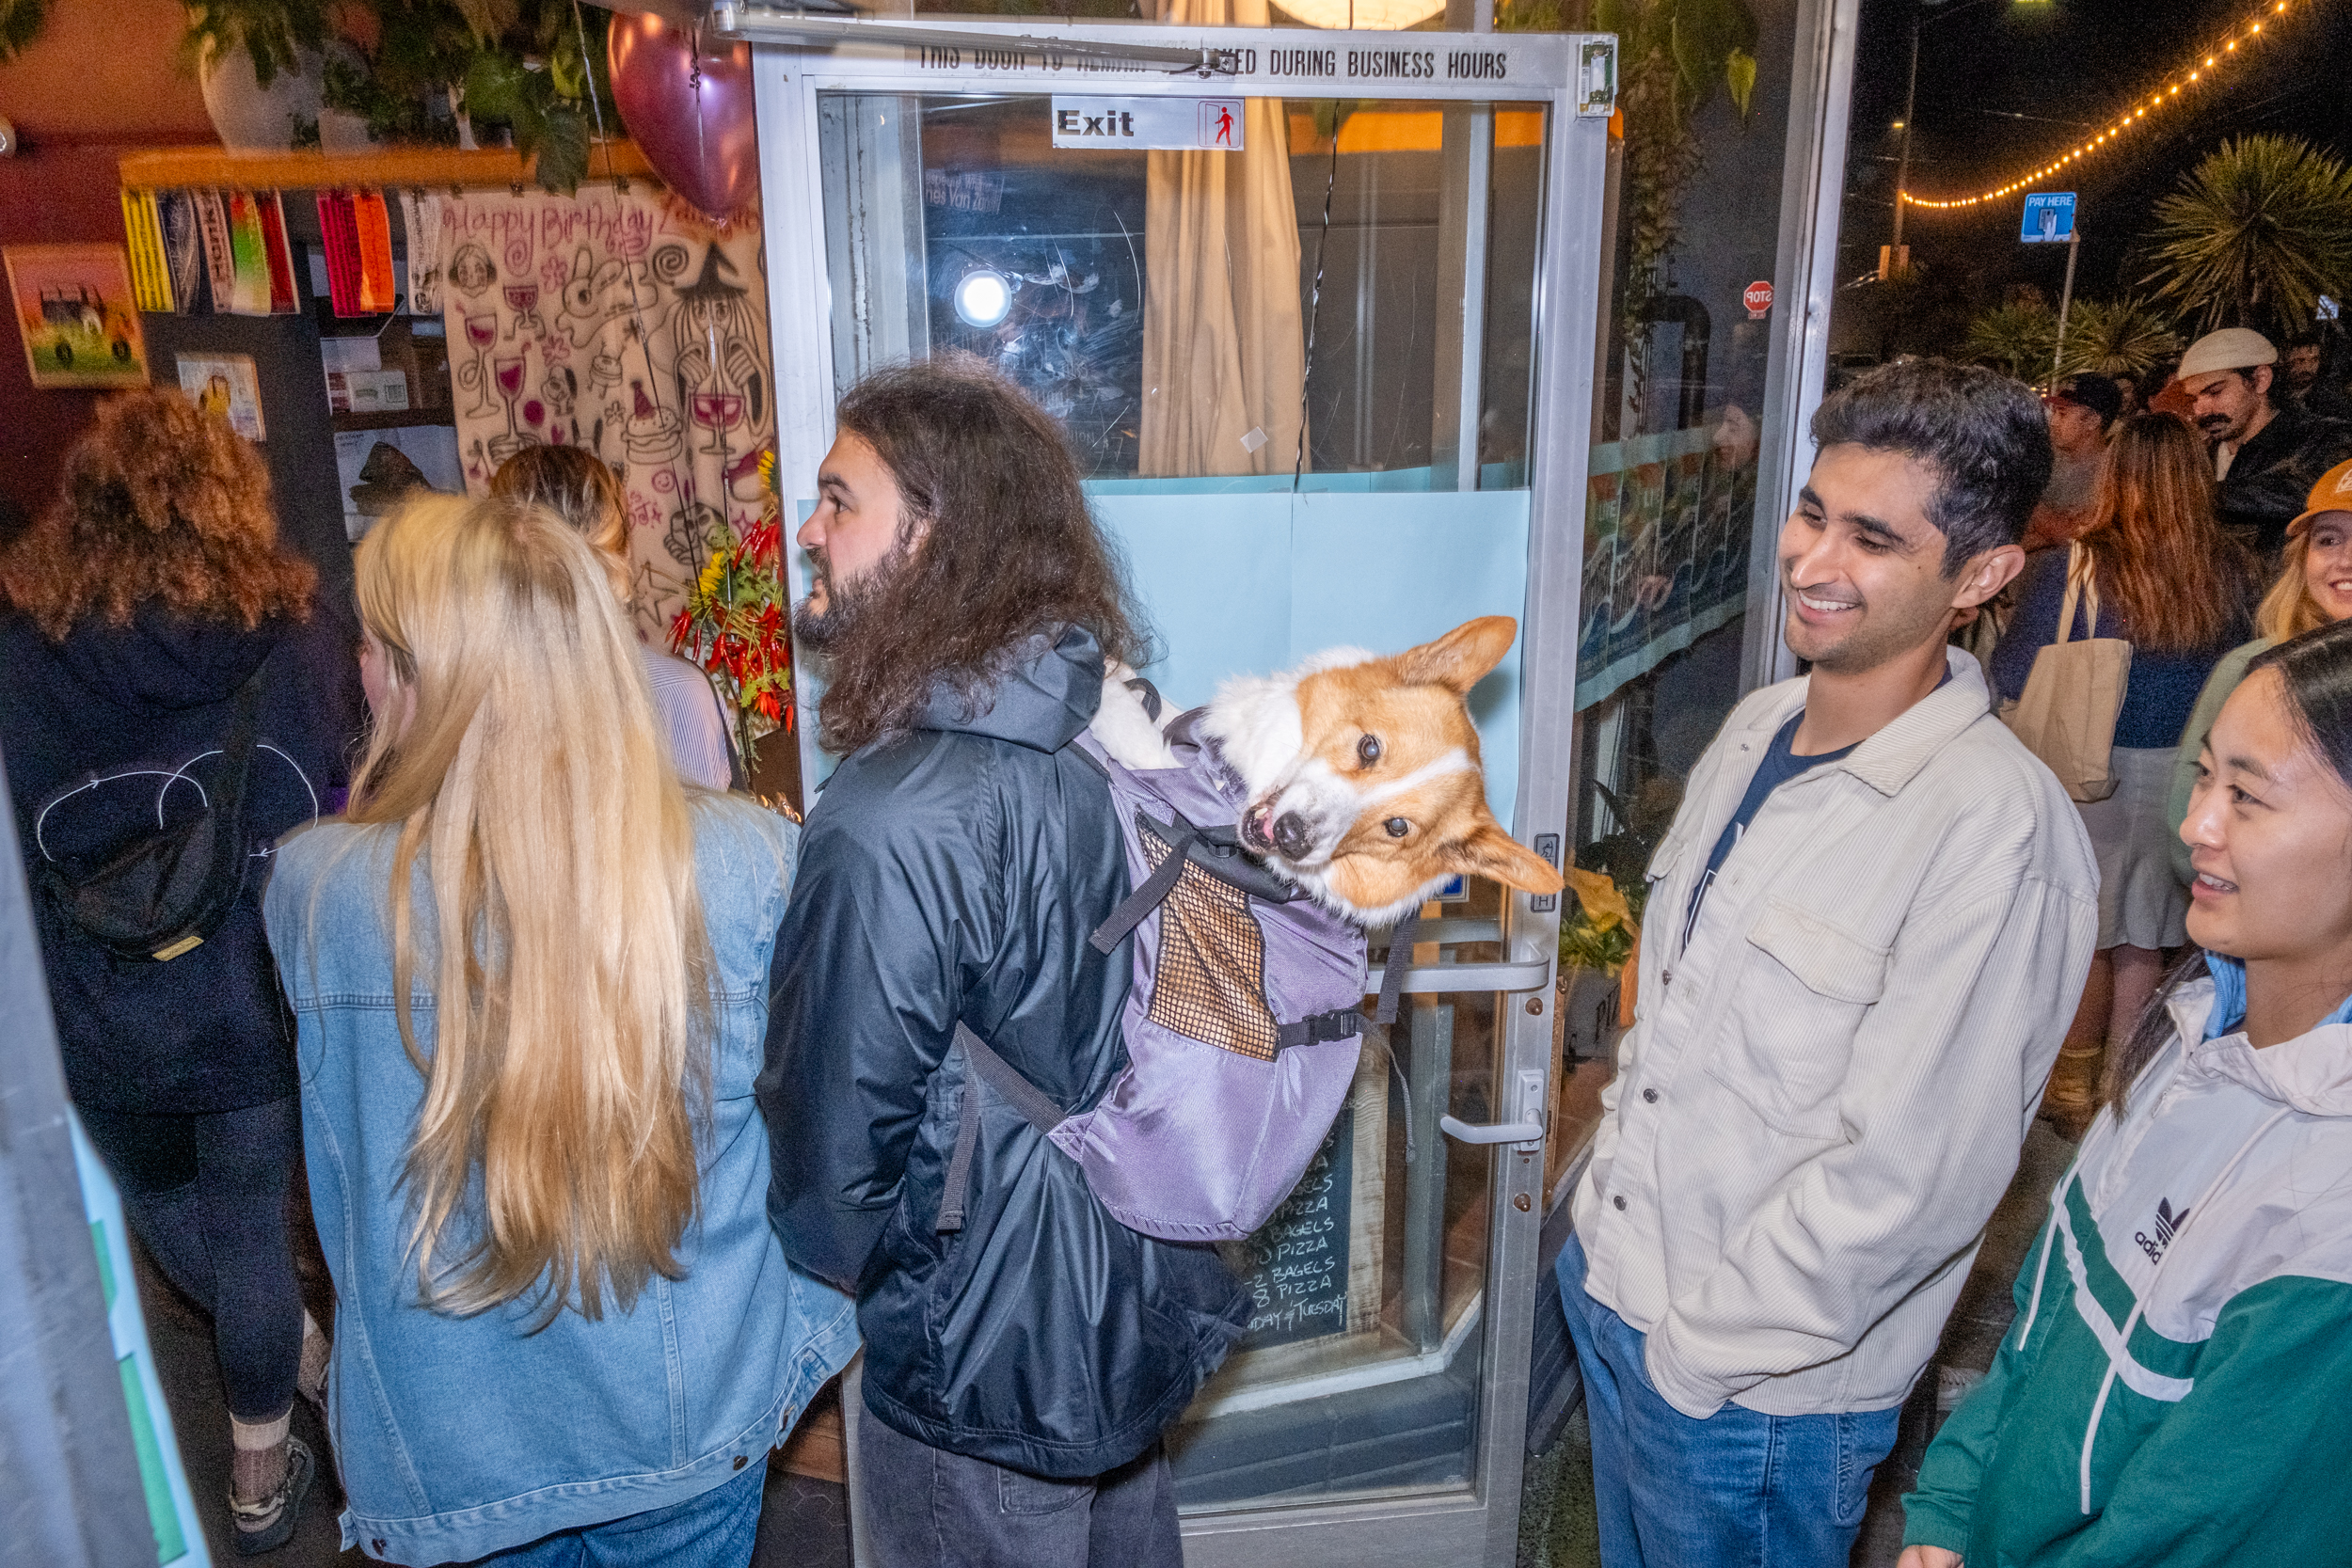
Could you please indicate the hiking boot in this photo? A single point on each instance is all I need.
(269, 1524)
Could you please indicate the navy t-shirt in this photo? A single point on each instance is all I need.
(1780, 764)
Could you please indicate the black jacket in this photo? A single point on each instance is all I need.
(2272, 475)
(204, 1032)
(954, 873)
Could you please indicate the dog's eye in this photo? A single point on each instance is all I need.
(1397, 827)
(1368, 750)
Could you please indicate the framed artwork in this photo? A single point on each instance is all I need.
(77, 315)
(225, 384)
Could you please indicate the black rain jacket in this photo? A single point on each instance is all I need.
(955, 873)
(2272, 475)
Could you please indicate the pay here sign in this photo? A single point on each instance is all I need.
(1162, 124)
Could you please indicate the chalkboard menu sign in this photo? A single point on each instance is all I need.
(1295, 1266)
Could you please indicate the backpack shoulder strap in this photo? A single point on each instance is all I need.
(983, 1066)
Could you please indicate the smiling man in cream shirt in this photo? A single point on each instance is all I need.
(1867, 930)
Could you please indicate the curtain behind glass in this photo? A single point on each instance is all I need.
(1224, 347)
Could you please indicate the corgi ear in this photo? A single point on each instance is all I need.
(1462, 656)
(1494, 854)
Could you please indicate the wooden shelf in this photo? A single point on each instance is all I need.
(175, 167)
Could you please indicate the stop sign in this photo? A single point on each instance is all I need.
(1757, 297)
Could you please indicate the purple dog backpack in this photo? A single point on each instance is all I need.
(1243, 1030)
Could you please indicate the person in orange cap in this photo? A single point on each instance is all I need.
(2314, 590)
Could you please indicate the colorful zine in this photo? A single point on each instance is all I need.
(373, 222)
(220, 262)
(339, 244)
(282, 299)
(77, 314)
(183, 248)
(150, 279)
(248, 256)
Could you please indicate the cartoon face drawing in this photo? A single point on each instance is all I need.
(471, 269)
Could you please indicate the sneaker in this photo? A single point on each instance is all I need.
(268, 1524)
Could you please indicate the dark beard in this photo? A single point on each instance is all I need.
(849, 607)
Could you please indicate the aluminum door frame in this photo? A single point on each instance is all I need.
(1479, 1523)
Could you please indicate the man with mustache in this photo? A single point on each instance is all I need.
(1866, 931)
(2267, 453)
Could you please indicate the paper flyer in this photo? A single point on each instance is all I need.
(421, 215)
(373, 221)
(248, 256)
(220, 262)
(283, 298)
(151, 278)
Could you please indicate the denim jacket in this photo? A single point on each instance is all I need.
(460, 1436)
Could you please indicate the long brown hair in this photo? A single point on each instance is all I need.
(996, 544)
(162, 502)
(570, 1040)
(2179, 582)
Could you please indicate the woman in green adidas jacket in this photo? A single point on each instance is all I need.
(2177, 1387)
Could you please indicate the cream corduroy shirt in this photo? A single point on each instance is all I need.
(1824, 1092)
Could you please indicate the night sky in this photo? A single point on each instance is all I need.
(2006, 84)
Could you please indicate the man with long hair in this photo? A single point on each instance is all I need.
(1020, 1366)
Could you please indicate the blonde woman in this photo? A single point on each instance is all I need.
(2314, 590)
(567, 1331)
(577, 486)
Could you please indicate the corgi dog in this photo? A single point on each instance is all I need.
(1362, 773)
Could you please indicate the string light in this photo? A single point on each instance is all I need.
(2166, 95)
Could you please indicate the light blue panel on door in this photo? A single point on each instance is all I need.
(1250, 584)
(1388, 571)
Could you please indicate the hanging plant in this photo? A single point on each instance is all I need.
(522, 65)
(21, 21)
(273, 33)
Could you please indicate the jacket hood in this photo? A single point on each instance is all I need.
(2312, 1072)
(163, 660)
(1042, 700)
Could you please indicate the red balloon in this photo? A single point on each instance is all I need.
(688, 110)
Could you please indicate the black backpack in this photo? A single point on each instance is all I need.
(161, 893)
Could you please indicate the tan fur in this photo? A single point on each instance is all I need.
(1427, 774)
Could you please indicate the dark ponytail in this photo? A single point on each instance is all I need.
(2315, 671)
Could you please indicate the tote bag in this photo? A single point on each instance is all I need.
(2074, 691)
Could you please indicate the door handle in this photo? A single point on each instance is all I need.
(1525, 1134)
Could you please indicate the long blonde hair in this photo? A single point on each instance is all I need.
(2287, 612)
(570, 1055)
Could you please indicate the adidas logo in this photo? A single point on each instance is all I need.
(2168, 1226)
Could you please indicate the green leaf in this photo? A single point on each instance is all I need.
(1740, 76)
(21, 21)
(563, 148)
(496, 87)
(1703, 32)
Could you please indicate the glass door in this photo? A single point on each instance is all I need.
(1319, 328)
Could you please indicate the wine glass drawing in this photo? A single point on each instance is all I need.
(482, 330)
(509, 369)
(718, 412)
(523, 299)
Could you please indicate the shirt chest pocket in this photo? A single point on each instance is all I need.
(1802, 988)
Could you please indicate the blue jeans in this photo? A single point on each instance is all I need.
(1740, 1489)
(714, 1531)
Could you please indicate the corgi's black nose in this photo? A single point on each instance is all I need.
(1289, 835)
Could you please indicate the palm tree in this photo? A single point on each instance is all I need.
(2123, 337)
(2020, 339)
(2256, 233)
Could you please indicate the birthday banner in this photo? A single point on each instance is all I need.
(623, 323)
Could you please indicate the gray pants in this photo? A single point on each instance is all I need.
(925, 1507)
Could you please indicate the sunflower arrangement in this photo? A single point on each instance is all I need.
(734, 623)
